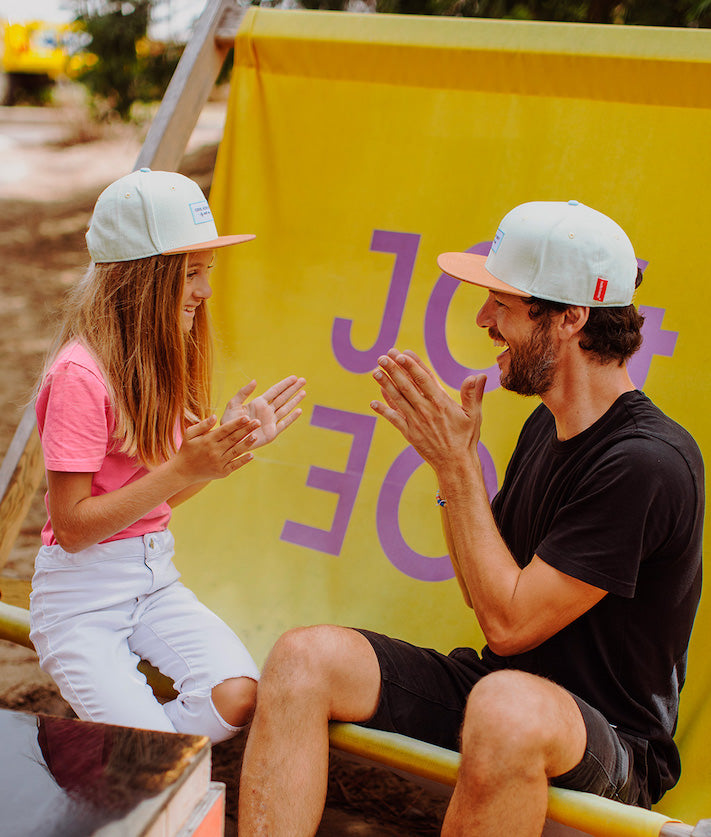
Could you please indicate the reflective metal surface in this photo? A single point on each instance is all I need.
(61, 777)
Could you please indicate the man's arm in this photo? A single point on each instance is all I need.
(461, 581)
(516, 608)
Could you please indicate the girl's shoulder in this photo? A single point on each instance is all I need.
(74, 366)
(76, 353)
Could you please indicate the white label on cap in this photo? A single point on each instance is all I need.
(201, 212)
(497, 240)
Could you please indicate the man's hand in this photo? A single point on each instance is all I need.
(417, 405)
(275, 409)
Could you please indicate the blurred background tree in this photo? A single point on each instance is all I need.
(112, 49)
(696, 13)
(120, 64)
(640, 12)
(130, 67)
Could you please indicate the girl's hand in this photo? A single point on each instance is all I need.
(275, 409)
(208, 452)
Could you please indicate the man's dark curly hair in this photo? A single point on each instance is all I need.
(610, 333)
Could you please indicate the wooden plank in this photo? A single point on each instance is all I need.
(15, 591)
(20, 474)
(426, 761)
(677, 829)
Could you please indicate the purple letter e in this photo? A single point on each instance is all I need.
(344, 484)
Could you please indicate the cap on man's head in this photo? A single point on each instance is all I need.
(555, 250)
(151, 213)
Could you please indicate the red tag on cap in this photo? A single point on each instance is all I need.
(600, 290)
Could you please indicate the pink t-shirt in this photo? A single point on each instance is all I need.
(76, 424)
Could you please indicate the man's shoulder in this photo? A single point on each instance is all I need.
(654, 429)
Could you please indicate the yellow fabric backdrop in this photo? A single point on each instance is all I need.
(357, 148)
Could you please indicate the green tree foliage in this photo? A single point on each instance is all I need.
(640, 12)
(129, 68)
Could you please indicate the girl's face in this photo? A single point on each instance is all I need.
(197, 285)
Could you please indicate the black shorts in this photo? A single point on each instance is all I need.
(424, 695)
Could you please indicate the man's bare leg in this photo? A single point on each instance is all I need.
(519, 730)
(313, 675)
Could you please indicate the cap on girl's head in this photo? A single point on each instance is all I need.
(150, 213)
(562, 252)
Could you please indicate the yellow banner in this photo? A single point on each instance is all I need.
(357, 148)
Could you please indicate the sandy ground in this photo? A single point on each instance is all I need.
(47, 189)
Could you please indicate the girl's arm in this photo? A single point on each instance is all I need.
(80, 520)
(186, 494)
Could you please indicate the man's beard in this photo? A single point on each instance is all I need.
(532, 365)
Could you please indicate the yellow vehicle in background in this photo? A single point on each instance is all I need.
(36, 54)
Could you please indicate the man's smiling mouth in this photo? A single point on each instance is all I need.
(498, 341)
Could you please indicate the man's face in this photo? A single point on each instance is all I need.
(528, 363)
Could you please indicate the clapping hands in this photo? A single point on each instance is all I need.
(275, 409)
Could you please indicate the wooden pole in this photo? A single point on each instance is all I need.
(20, 475)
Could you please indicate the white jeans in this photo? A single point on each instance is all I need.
(95, 614)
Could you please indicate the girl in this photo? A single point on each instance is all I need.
(123, 411)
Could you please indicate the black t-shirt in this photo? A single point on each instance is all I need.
(619, 506)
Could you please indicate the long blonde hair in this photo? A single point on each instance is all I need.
(127, 314)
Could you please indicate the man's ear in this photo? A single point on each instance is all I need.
(573, 320)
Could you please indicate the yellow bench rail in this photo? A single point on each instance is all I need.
(582, 811)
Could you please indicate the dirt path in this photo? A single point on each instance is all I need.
(46, 195)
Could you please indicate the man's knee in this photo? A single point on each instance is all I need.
(517, 718)
(327, 667)
(504, 714)
(302, 659)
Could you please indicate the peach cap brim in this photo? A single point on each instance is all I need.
(214, 244)
(470, 267)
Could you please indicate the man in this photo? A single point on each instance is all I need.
(584, 572)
